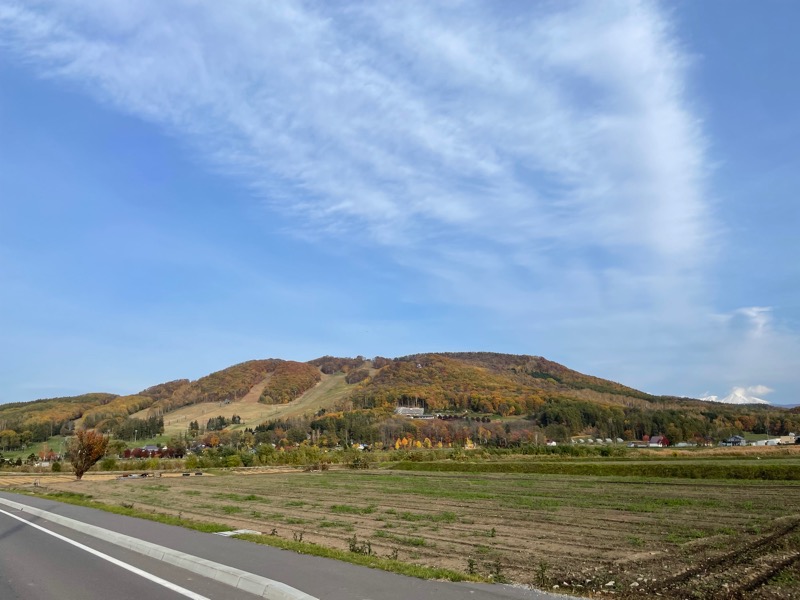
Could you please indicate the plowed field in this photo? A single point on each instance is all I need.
(598, 536)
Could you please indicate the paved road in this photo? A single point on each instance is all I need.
(323, 578)
(35, 565)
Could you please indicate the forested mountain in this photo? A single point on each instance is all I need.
(504, 384)
(557, 399)
(531, 389)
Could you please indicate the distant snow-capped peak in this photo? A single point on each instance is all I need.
(740, 395)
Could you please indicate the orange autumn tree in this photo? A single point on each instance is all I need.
(85, 449)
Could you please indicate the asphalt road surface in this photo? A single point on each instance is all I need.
(36, 566)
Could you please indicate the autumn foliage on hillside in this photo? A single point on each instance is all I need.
(551, 401)
(164, 390)
(542, 368)
(115, 411)
(444, 383)
(40, 419)
(289, 379)
(334, 364)
(528, 368)
(229, 384)
(486, 382)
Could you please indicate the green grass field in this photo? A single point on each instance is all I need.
(787, 469)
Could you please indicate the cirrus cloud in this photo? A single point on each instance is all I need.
(541, 166)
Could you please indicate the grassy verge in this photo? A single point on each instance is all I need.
(364, 560)
(773, 472)
(128, 511)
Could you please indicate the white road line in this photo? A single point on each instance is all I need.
(163, 582)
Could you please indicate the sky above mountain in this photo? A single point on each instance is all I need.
(611, 185)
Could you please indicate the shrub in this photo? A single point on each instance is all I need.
(359, 462)
(108, 464)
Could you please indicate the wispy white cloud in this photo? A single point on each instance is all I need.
(565, 127)
(760, 390)
(544, 165)
(752, 346)
(754, 320)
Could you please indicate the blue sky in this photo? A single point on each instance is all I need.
(611, 185)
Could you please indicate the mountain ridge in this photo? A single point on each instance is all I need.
(481, 383)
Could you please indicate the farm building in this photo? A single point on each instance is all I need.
(734, 440)
(658, 441)
(409, 411)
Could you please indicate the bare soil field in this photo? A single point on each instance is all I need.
(586, 535)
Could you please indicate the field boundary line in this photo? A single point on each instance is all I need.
(243, 580)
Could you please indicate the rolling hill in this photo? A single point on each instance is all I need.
(510, 386)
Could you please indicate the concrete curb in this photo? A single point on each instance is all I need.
(248, 582)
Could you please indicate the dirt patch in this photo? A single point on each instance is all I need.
(48, 480)
(578, 534)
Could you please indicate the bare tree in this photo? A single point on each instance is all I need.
(85, 449)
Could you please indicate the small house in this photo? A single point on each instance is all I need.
(658, 441)
(734, 440)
